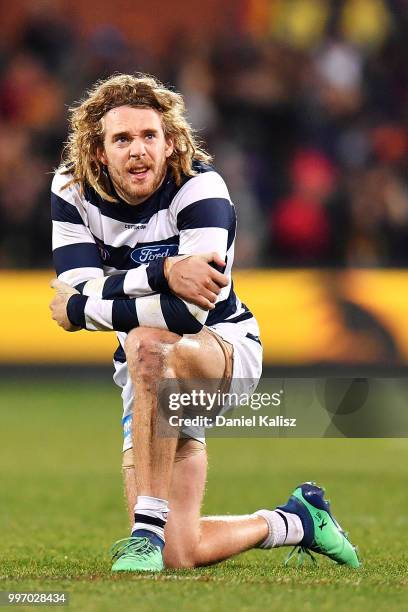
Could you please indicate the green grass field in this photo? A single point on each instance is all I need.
(62, 507)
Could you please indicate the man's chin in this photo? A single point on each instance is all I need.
(135, 194)
(141, 193)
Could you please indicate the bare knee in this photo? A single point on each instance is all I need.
(175, 559)
(147, 351)
(142, 339)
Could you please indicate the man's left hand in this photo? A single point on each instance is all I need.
(58, 305)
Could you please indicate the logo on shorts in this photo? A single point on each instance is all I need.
(127, 425)
(147, 254)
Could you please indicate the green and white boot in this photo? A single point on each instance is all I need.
(322, 533)
(136, 554)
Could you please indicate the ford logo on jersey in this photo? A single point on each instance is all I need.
(146, 254)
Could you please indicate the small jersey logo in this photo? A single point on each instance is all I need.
(137, 226)
(146, 254)
(104, 253)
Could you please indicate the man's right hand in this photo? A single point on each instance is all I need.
(192, 278)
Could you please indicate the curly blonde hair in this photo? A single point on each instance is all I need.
(86, 132)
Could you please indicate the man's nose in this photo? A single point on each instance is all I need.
(137, 148)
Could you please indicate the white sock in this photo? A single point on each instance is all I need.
(285, 528)
(151, 514)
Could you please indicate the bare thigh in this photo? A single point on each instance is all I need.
(204, 355)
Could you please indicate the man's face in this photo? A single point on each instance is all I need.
(135, 151)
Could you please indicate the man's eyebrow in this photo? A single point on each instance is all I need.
(119, 134)
(127, 133)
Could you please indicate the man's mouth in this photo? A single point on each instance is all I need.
(139, 173)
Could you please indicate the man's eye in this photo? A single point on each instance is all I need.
(149, 136)
(121, 139)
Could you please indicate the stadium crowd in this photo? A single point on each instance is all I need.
(304, 104)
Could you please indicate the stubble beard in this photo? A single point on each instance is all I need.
(136, 194)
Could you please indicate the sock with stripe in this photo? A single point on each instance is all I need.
(285, 528)
(150, 518)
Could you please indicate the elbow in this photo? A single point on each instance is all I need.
(182, 317)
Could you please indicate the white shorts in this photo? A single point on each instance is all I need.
(246, 372)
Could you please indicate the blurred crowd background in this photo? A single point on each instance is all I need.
(303, 103)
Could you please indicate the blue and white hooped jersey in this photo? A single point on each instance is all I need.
(113, 252)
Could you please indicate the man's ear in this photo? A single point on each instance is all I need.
(101, 156)
(169, 147)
